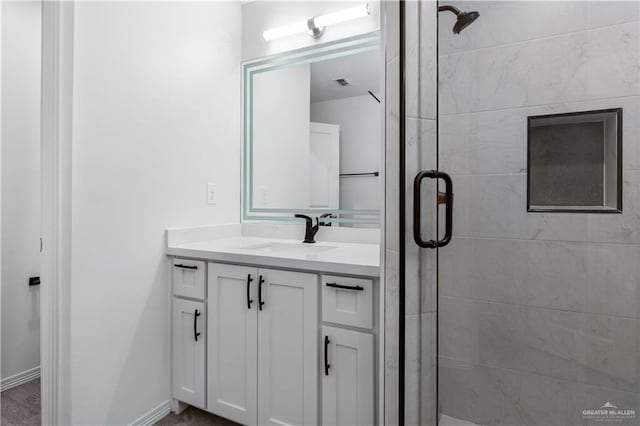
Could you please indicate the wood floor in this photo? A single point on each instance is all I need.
(193, 416)
(20, 406)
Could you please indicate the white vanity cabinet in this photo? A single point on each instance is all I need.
(287, 348)
(189, 343)
(348, 377)
(347, 301)
(232, 387)
(188, 278)
(261, 357)
(262, 354)
(348, 370)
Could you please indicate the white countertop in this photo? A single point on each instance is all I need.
(324, 256)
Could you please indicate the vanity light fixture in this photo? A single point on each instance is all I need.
(316, 26)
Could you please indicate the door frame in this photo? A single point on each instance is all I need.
(56, 143)
(402, 226)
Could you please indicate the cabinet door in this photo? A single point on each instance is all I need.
(189, 340)
(232, 353)
(287, 348)
(347, 380)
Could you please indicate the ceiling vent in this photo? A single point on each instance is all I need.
(342, 81)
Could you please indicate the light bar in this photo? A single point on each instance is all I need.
(315, 26)
(285, 31)
(342, 16)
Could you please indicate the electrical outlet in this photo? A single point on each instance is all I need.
(212, 193)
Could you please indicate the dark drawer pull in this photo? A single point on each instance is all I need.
(249, 300)
(180, 265)
(327, 366)
(260, 301)
(345, 287)
(196, 314)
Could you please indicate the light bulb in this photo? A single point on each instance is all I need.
(287, 30)
(342, 16)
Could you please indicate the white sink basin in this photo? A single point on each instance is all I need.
(287, 249)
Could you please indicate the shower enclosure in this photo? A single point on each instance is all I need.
(530, 314)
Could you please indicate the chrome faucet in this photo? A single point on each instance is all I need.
(311, 230)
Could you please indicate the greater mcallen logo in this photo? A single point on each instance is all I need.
(609, 413)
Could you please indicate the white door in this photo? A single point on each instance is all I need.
(324, 166)
(288, 348)
(347, 377)
(189, 340)
(232, 352)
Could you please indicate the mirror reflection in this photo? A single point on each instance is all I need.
(315, 138)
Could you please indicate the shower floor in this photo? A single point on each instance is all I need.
(450, 421)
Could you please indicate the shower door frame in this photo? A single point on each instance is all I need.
(402, 226)
(403, 221)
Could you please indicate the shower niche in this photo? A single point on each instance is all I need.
(574, 162)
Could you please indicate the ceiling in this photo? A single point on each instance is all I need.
(361, 70)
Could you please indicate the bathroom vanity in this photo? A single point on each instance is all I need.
(274, 331)
(267, 329)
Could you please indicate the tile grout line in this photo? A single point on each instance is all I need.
(586, 30)
(550, 104)
(542, 308)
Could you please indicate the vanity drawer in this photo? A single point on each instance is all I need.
(347, 301)
(188, 278)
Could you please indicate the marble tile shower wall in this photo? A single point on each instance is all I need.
(539, 313)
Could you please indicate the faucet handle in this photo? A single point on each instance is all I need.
(327, 216)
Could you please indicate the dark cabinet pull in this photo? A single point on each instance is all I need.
(196, 314)
(260, 282)
(180, 265)
(249, 300)
(417, 208)
(345, 287)
(326, 355)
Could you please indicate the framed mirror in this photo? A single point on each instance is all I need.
(312, 133)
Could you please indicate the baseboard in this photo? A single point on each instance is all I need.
(155, 414)
(20, 378)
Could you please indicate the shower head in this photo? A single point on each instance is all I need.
(464, 19)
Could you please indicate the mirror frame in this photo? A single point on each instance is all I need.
(344, 47)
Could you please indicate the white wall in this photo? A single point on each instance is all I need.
(263, 15)
(359, 121)
(156, 117)
(281, 134)
(20, 185)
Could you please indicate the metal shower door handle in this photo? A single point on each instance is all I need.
(417, 208)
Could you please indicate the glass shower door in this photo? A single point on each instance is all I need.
(530, 315)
